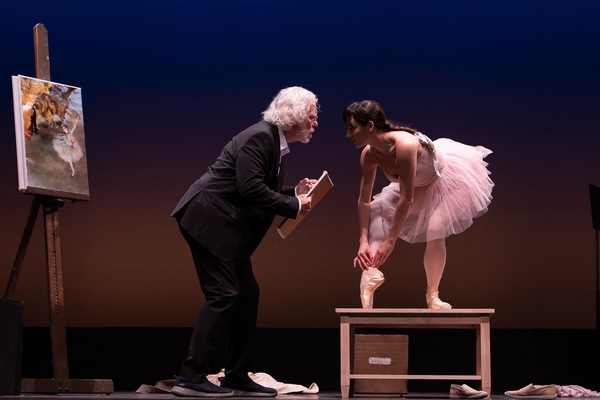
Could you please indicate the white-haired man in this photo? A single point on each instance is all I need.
(223, 217)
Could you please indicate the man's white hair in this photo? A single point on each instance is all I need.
(289, 107)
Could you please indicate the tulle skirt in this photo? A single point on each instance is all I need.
(449, 204)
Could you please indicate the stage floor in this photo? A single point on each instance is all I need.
(166, 396)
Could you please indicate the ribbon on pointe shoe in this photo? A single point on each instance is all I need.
(370, 280)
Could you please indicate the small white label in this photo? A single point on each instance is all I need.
(380, 361)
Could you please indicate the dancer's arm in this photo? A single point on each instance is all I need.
(364, 258)
(406, 166)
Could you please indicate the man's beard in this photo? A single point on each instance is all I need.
(306, 138)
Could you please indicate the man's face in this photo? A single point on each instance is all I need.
(302, 132)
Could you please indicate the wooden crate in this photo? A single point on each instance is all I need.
(383, 355)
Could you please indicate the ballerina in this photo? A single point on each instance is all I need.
(436, 189)
(66, 145)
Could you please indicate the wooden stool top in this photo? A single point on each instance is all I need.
(414, 312)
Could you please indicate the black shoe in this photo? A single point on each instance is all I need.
(203, 389)
(248, 389)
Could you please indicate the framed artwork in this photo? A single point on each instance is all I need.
(50, 139)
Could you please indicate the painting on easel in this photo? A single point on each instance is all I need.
(51, 153)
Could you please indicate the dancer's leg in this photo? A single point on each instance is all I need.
(434, 262)
(372, 278)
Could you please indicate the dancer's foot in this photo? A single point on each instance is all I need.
(370, 280)
(432, 297)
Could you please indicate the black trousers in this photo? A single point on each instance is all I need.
(227, 321)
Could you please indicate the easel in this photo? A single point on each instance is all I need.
(60, 383)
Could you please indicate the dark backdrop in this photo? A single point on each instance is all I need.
(166, 84)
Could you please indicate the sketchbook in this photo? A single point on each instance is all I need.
(319, 190)
(50, 139)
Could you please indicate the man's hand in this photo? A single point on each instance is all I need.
(305, 203)
(305, 185)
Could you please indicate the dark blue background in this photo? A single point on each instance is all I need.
(166, 83)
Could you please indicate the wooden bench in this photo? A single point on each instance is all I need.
(352, 318)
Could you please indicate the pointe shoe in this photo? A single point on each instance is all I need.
(432, 297)
(370, 280)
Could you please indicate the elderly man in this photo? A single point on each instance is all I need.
(223, 217)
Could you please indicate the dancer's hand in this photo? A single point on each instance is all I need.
(383, 252)
(364, 258)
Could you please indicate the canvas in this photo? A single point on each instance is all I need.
(50, 139)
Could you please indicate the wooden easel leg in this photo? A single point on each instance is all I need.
(16, 269)
(60, 366)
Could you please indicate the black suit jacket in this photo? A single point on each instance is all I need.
(231, 207)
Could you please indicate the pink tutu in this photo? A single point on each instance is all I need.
(449, 204)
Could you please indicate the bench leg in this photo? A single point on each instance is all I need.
(345, 359)
(483, 355)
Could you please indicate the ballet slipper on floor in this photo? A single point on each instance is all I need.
(531, 391)
(370, 280)
(466, 392)
(432, 297)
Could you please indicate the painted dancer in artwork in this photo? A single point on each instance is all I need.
(436, 189)
(66, 146)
